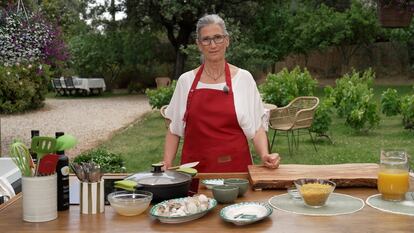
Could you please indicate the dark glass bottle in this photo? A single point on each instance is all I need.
(62, 170)
(34, 133)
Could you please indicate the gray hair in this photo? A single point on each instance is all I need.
(210, 19)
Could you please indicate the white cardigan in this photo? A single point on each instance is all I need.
(247, 100)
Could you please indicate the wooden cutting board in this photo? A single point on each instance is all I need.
(344, 175)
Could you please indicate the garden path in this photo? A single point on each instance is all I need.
(90, 120)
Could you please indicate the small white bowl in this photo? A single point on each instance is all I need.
(130, 203)
(210, 183)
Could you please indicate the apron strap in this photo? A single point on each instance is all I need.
(197, 79)
(228, 78)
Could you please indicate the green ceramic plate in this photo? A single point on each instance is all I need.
(180, 219)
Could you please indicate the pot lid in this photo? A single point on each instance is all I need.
(159, 177)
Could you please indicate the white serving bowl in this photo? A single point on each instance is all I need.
(128, 203)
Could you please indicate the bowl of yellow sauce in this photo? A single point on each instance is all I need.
(315, 192)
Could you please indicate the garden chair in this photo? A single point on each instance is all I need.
(70, 87)
(269, 106)
(297, 115)
(57, 86)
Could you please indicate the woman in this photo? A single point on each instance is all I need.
(216, 108)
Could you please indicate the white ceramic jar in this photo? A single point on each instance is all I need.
(39, 198)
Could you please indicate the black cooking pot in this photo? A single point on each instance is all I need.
(163, 185)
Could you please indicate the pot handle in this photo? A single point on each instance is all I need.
(157, 168)
(128, 185)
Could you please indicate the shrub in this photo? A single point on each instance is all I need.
(162, 96)
(322, 119)
(283, 87)
(390, 102)
(23, 87)
(353, 99)
(350, 89)
(108, 161)
(364, 116)
(407, 111)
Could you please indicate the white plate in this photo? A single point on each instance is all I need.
(181, 219)
(210, 183)
(245, 212)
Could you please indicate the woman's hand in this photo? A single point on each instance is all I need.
(271, 160)
(167, 165)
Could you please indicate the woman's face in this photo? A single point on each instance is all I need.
(212, 42)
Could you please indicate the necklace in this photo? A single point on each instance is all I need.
(212, 76)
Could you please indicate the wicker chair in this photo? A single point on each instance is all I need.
(297, 115)
(162, 112)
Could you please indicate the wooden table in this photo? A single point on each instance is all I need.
(366, 220)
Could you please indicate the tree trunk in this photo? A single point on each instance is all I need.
(179, 63)
(273, 68)
(112, 10)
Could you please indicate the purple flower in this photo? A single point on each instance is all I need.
(35, 39)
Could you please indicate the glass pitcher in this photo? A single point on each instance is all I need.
(393, 179)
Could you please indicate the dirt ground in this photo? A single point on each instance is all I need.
(90, 120)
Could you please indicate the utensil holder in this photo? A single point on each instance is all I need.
(92, 197)
(39, 198)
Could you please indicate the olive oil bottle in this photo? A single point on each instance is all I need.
(34, 133)
(62, 170)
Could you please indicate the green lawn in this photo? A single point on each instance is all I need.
(142, 143)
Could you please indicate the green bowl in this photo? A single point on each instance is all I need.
(243, 184)
(225, 193)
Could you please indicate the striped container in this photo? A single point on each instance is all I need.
(92, 197)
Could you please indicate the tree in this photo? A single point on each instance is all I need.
(404, 36)
(361, 29)
(96, 54)
(316, 29)
(313, 25)
(65, 13)
(179, 18)
(273, 29)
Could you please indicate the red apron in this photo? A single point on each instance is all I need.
(212, 133)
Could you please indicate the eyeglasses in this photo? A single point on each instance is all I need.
(218, 39)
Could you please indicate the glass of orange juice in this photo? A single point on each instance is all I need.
(393, 180)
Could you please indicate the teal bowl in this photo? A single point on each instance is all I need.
(225, 193)
(243, 184)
